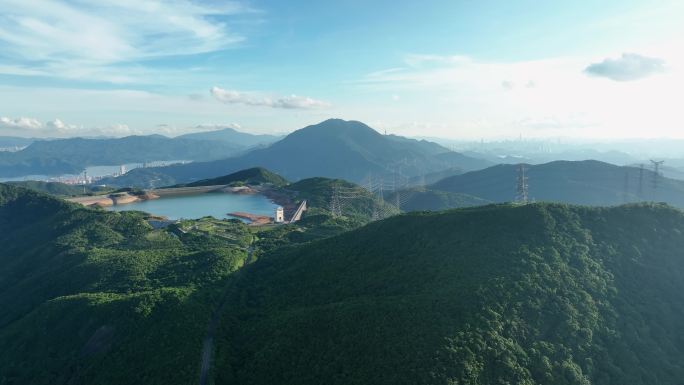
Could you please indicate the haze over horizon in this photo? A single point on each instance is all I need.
(445, 69)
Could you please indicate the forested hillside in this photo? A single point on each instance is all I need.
(58, 188)
(100, 297)
(251, 176)
(92, 296)
(537, 294)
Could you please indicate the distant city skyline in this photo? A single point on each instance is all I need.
(450, 69)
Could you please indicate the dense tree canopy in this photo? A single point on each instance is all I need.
(500, 294)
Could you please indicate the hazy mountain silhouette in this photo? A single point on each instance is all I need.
(585, 182)
(334, 148)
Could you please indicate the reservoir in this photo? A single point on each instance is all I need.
(217, 205)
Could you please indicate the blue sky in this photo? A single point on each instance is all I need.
(457, 69)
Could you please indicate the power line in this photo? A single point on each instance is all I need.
(656, 171)
(522, 185)
(335, 207)
(625, 192)
(641, 181)
(656, 176)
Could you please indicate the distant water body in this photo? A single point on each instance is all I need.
(217, 205)
(94, 171)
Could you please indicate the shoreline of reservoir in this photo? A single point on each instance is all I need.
(206, 201)
(124, 198)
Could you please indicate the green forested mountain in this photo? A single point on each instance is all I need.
(334, 148)
(252, 176)
(63, 156)
(56, 188)
(91, 296)
(586, 182)
(354, 200)
(537, 294)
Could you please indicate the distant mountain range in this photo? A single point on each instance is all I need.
(14, 141)
(233, 136)
(334, 148)
(585, 182)
(514, 157)
(71, 156)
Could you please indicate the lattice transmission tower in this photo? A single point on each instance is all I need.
(335, 205)
(523, 187)
(656, 171)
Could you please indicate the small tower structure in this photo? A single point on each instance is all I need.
(279, 215)
(523, 187)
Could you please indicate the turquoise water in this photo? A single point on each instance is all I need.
(218, 205)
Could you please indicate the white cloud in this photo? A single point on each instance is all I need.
(59, 125)
(58, 128)
(421, 60)
(215, 127)
(627, 67)
(118, 129)
(547, 97)
(20, 123)
(94, 39)
(251, 99)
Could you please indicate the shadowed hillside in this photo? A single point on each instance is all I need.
(586, 182)
(233, 136)
(334, 148)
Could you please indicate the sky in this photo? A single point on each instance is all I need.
(442, 68)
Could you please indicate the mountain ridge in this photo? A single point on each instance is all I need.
(71, 156)
(543, 293)
(334, 148)
(587, 182)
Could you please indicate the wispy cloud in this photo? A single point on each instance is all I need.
(20, 123)
(421, 60)
(629, 66)
(251, 99)
(24, 126)
(89, 39)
